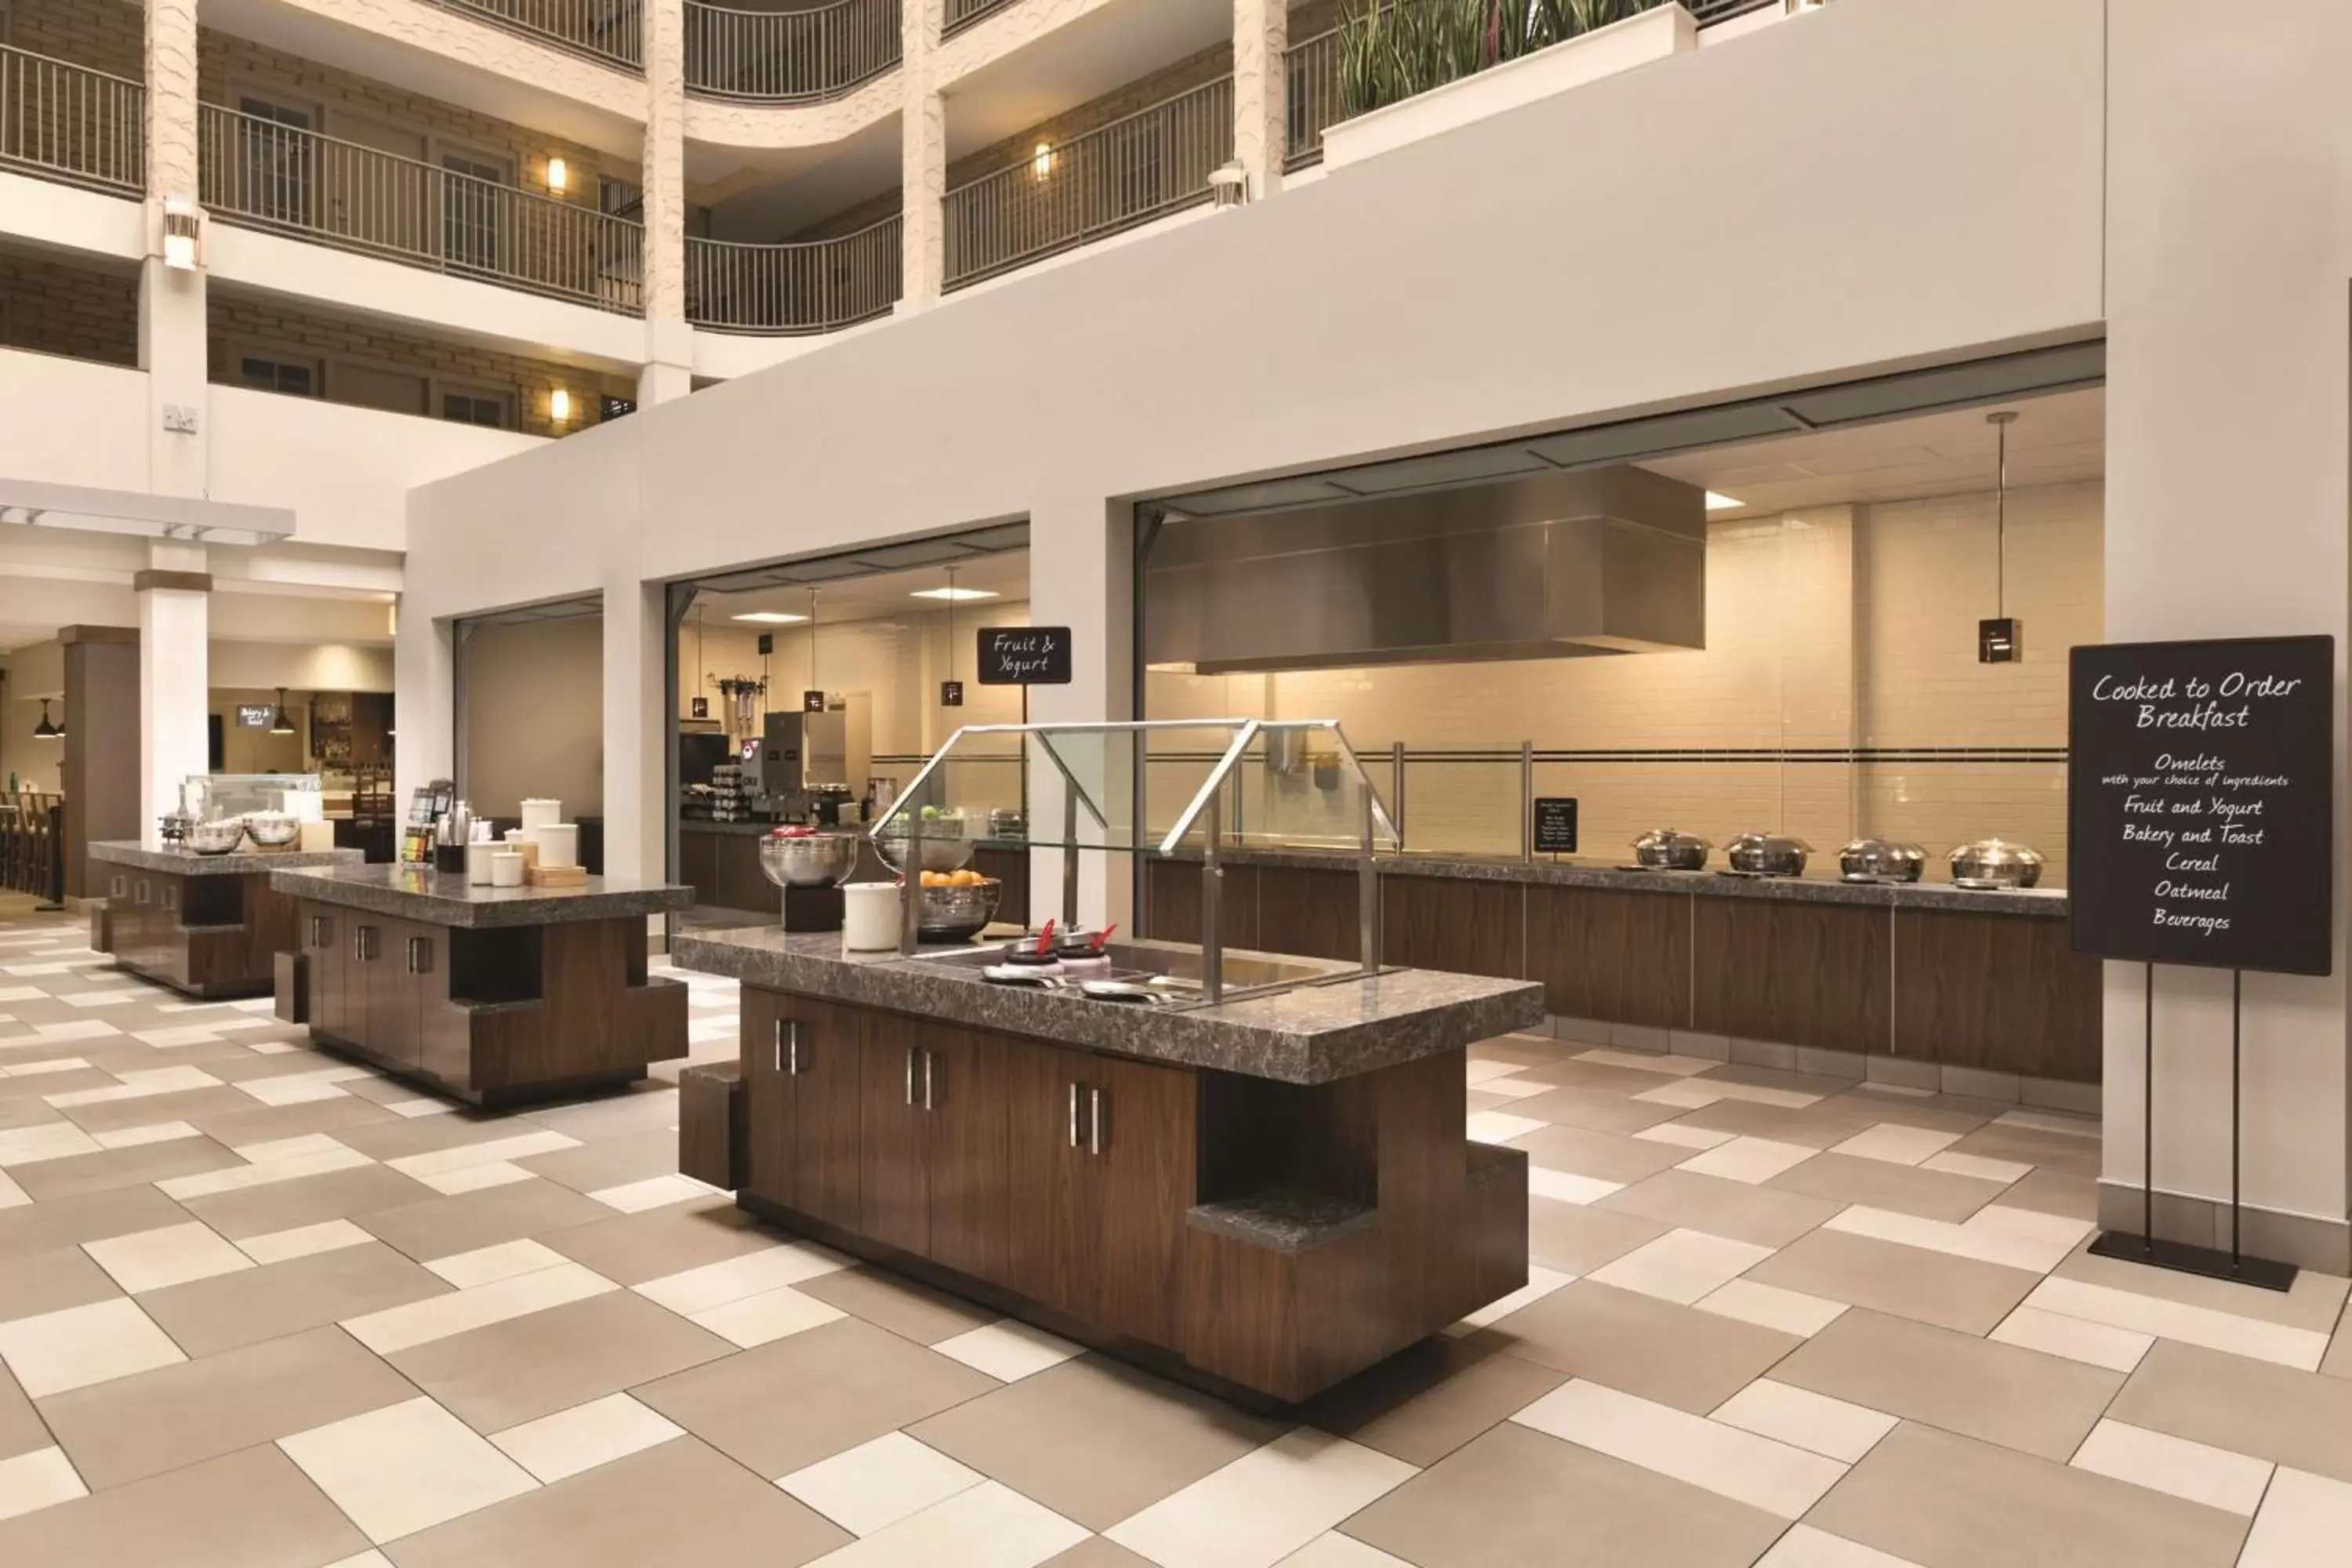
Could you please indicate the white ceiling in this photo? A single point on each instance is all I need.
(884, 595)
(2055, 438)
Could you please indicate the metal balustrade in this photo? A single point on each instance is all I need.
(1151, 163)
(784, 291)
(1310, 96)
(612, 31)
(788, 56)
(70, 123)
(963, 13)
(257, 174)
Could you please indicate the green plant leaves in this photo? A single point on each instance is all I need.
(1390, 51)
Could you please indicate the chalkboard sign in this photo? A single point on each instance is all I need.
(2199, 801)
(1556, 827)
(1024, 656)
(255, 715)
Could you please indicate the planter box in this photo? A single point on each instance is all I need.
(1619, 46)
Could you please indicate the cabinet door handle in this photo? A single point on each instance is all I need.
(1094, 1120)
(777, 1058)
(143, 890)
(910, 1075)
(931, 1060)
(792, 1044)
(424, 954)
(171, 895)
(1073, 1115)
(119, 886)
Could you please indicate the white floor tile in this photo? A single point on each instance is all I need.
(137, 1086)
(173, 1255)
(716, 1284)
(1799, 1416)
(504, 1261)
(655, 1191)
(1480, 1074)
(12, 1196)
(155, 1132)
(1499, 1126)
(1007, 1351)
(238, 1178)
(2077, 1339)
(586, 1437)
(292, 1088)
(404, 1468)
(276, 1148)
(278, 1246)
(1333, 1550)
(1641, 1061)
(1566, 1186)
(370, 1559)
(44, 1140)
(42, 1068)
(2161, 1462)
(413, 1109)
(1762, 1473)
(473, 1178)
(54, 1352)
(1264, 1506)
(1770, 1307)
(1896, 1143)
(37, 1481)
(986, 1526)
(398, 1328)
(875, 1485)
(1952, 1165)
(2304, 1523)
(767, 1317)
(1805, 1547)
(1541, 1282)
(2204, 1326)
(1697, 1094)
(2015, 1237)
(441, 1161)
(1684, 1137)
(1749, 1160)
(1516, 1088)
(1681, 1265)
(2050, 1122)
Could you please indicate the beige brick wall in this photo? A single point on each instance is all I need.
(104, 34)
(57, 309)
(237, 324)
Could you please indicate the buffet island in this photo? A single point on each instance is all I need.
(492, 995)
(208, 924)
(1250, 1171)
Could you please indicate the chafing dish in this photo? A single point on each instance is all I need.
(1768, 855)
(1664, 849)
(1994, 864)
(271, 829)
(215, 838)
(1881, 860)
(808, 860)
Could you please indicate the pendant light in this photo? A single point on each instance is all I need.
(279, 724)
(952, 690)
(46, 730)
(1997, 640)
(813, 700)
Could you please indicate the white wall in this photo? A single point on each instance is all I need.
(72, 422)
(35, 671)
(534, 717)
(301, 666)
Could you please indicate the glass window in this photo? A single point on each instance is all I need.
(475, 408)
(295, 378)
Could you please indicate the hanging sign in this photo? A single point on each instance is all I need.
(812, 702)
(2199, 801)
(255, 715)
(1024, 656)
(950, 693)
(1556, 827)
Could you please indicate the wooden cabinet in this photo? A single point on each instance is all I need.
(800, 1069)
(323, 973)
(930, 1143)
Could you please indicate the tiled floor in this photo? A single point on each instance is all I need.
(260, 1308)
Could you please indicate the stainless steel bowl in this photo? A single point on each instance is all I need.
(215, 838)
(1881, 860)
(272, 829)
(1664, 849)
(957, 914)
(812, 860)
(1995, 863)
(945, 845)
(1768, 855)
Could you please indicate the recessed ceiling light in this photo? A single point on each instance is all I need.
(954, 595)
(1719, 502)
(771, 617)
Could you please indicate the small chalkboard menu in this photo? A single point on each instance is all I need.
(1556, 827)
(2199, 801)
(1024, 656)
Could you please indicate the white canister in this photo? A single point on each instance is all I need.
(506, 869)
(558, 843)
(869, 916)
(478, 855)
(541, 814)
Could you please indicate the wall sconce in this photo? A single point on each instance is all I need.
(1229, 186)
(1041, 162)
(558, 175)
(183, 235)
(559, 406)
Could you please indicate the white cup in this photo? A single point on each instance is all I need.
(537, 812)
(869, 916)
(558, 843)
(506, 869)
(477, 862)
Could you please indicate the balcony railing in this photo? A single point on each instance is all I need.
(257, 174)
(68, 123)
(612, 31)
(1310, 95)
(963, 13)
(1114, 177)
(788, 56)
(784, 291)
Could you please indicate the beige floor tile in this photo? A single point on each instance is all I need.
(470, 1221)
(1945, 1501)
(1814, 1422)
(1576, 1239)
(55, 1352)
(1426, 1401)
(503, 1261)
(208, 1316)
(1094, 1440)
(763, 1319)
(643, 1108)
(1541, 1282)
(1264, 1506)
(875, 1485)
(653, 1193)
(50, 1283)
(986, 1526)
(173, 1255)
(1519, 1498)
(630, 1249)
(2005, 1172)
(302, 1241)
(1898, 1143)
(21, 1427)
(252, 1509)
(404, 1468)
(162, 1160)
(678, 1502)
(911, 1311)
(790, 1404)
(403, 1136)
(2295, 1418)
(1805, 1547)
(1599, 1111)
(1904, 1189)
(1333, 1550)
(750, 1274)
(1741, 1211)
(1681, 1266)
(1906, 1281)
(1675, 1355)
(584, 1436)
(2304, 1520)
(2316, 1303)
(1008, 1350)
(191, 1106)
(535, 1363)
(2021, 1399)
(2077, 1339)
(1094, 1551)
(1752, 1159)
(2218, 1478)
(1728, 1460)
(131, 1427)
(396, 1329)
(93, 1216)
(610, 1162)
(2257, 1338)
(265, 1123)
(1770, 1307)
(41, 1478)
(2074, 1194)
(1608, 1156)
(351, 1194)
(2012, 1237)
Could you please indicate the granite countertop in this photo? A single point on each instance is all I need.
(446, 898)
(1710, 883)
(178, 861)
(1313, 1032)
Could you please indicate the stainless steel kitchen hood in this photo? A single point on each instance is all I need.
(1546, 565)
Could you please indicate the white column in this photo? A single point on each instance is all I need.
(423, 675)
(670, 345)
(636, 747)
(923, 156)
(175, 690)
(2228, 405)
(1261, 127)
(1081, 575)
(171, 302)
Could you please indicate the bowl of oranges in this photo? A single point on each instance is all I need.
(957, 905)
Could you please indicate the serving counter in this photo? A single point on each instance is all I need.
(208, 926)
(1261, 1195)
(492, 995)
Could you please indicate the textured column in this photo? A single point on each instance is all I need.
(1261, 135)
(172, 303)
(670, 345)
(923, 171)
(174, 695)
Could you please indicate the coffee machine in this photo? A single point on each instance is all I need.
(805, 761)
